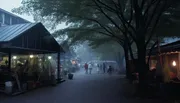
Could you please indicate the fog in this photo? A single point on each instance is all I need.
(85, 53)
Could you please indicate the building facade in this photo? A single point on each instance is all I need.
(7, 18)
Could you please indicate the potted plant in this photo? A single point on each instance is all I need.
(70, 76)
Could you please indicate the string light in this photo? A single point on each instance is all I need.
(31, 56)
(14, 57)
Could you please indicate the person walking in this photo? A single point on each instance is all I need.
(86, 68)
(98, 68)
(90, 68)
(110, 69)
(104, 68)
(101, 68)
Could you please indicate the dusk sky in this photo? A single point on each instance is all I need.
(8, 5)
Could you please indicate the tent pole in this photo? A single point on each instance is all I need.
(58, 66)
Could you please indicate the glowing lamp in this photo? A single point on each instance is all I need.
(31, 56)
(49, 57)
(174, 63)
(14, 57)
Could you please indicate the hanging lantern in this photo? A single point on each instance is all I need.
(174, 63)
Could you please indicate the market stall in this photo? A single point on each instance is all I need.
(30, 57)
(167, 62)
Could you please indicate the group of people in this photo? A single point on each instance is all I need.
(88, 68)
(101, 68)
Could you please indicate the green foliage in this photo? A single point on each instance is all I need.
(58, 10)
(81, 15)
(97, 42)
(86, 19)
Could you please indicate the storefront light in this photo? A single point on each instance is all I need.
(31, 56)
(49, 57)
(174, 63)
(14, 57)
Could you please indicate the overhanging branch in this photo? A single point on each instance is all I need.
(156, 22)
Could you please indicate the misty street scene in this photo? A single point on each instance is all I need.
(89, 51)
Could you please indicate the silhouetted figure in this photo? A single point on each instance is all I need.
(110, 69)
(86, 68)
(152, 75)
(90, 68)
(6, 62)
(104, 68)
(98, 68)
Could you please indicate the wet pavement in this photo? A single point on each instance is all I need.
(84, 88)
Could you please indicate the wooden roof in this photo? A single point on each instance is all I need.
(27, 38)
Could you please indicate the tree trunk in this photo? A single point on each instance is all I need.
(126, 54)
(142, 67)
(150, 52)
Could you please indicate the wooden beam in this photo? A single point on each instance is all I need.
(178, 69)
(9, 60)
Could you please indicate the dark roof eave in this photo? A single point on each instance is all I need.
(61, 48)
(30, 50)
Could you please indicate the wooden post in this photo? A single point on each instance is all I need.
(9, 61)
(58, 67)
(178, 69)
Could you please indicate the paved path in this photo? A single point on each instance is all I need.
(95, 88)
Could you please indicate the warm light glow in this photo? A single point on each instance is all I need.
(73, 62)
(49, 57)
(14, 57)
(31, 56)
(174, 63)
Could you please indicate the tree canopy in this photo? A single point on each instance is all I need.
(87, 19)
